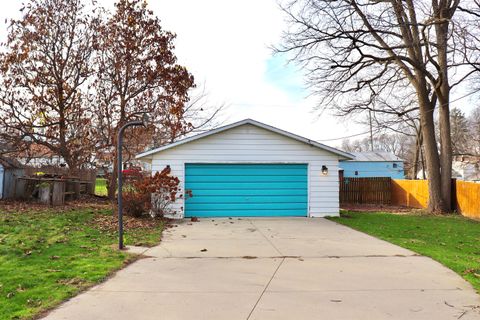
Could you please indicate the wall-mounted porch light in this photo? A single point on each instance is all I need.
(324, 170)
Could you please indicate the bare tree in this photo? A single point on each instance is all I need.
(45, 69)
(474, 124)
(460, 132)
(359, 53)
(199, 113)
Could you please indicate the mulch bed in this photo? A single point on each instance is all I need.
(84, 202)
(108, 223)
(378, 208)
(96, 204)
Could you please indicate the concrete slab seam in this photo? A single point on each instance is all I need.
(266, 238)
(265, 289)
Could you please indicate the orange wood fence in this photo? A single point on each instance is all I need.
(410, 193)
(414, 193)
(468, 198)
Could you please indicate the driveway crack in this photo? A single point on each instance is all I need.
(266, 238)
(265, 289)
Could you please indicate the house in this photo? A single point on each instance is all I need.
(38, 155)
(252, 169)
(9, 170)
(466, 168)
(373, 164)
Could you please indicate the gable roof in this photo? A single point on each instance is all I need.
(375, 156)
(241, 123)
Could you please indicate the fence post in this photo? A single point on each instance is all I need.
(453, 204)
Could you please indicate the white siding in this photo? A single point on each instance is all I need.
(2, 172)
(251, 144)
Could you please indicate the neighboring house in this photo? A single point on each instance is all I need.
(373, 164)
(252, 169)
(463, 168)
(9, 170)
(38, 156)
(466, 168)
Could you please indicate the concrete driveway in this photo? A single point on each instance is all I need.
(266, 269)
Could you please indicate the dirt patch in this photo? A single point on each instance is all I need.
(380, 208)
(108, 222)
(97, 205)
(84, 202)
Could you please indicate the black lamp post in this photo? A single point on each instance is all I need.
(142, 122)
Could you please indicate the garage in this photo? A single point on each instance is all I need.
(246, 190)
(251, 169)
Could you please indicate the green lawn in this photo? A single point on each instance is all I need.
(452, 240)
(47, 257)
(101, 187)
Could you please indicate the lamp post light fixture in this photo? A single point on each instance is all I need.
(142, 122)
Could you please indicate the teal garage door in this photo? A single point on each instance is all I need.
(246, 190)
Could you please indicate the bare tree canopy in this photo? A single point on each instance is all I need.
(474, 125)
(392, 57)
(460, 132)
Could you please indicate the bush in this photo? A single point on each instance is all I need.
(153, 194)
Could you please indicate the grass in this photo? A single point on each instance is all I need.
(452, 240)
(47, 257)
(101, 187)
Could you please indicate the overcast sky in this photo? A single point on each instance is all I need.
(225, 44)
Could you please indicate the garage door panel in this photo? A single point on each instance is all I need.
(249, 192)
(244, 185)
(248, 171)
(249, 199)
(246, 190)
(247, 213)
(246, 206)
(244, 166)
(248, 178)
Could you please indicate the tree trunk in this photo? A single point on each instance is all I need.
(424, 174)
(112, 184)
(418, 147)
(112, 181)
(73, 165)
(445, 154)
(444, 113)
(435, 200)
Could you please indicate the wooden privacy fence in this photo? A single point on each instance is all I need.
(468, 198)
(365, 190)
(414, 193)
(410, 193)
